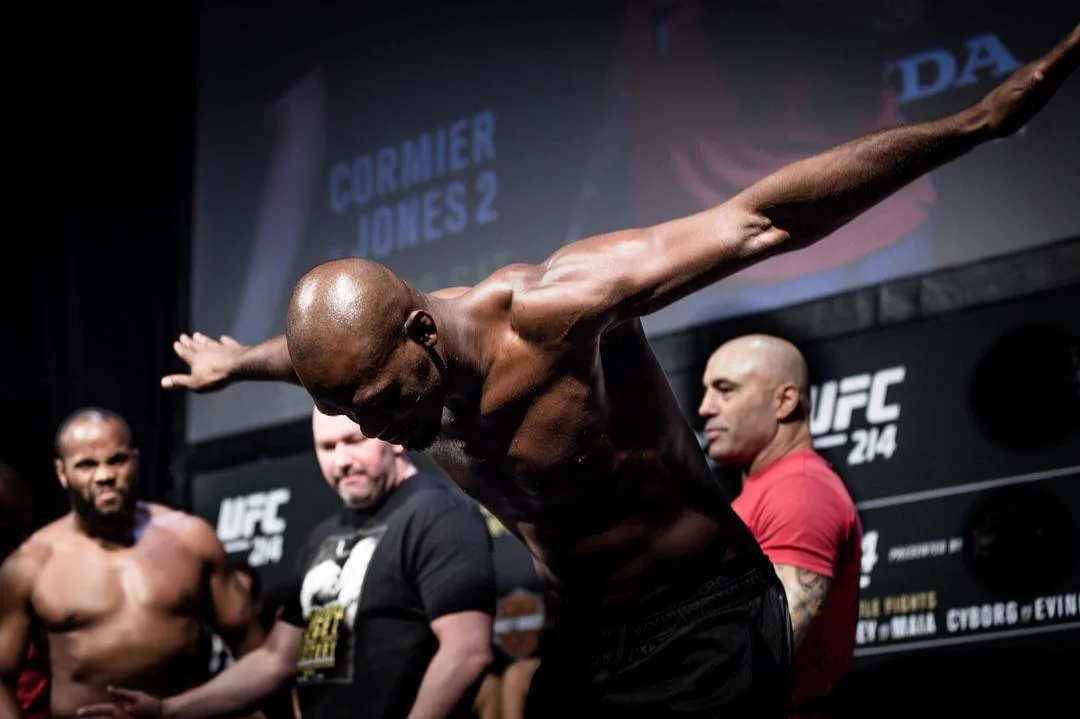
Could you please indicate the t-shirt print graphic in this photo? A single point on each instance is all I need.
(329, 598)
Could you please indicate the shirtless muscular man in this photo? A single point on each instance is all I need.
(537, 392)
(119, 589)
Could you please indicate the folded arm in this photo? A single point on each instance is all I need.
(608, 278)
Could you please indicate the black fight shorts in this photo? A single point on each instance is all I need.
(723, 649)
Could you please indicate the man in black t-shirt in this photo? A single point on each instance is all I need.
(392, 611)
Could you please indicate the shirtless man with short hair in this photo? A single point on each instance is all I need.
(119, 589)
(537, 392)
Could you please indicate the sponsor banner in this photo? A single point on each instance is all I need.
(855, 415)
(987, 561)
(949, 400)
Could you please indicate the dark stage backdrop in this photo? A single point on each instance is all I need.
(449, 144)
(96, 261)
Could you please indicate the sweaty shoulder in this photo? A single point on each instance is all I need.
(46, 539)
(541, 303)
(500, 297)
(19, 570)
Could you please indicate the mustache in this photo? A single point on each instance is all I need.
(83, 505)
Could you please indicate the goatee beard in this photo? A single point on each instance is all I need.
(97, 521)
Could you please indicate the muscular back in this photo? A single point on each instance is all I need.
(126, 616)
(579, 447)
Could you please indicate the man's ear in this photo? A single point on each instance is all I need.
(58, 466)
(787, 402)
(420, 327)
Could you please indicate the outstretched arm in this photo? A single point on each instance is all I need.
(215, 364)
(607, 278)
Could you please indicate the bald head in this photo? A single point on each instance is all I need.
(771, 358)
(74, 426)
(756, 397)
(343, 304)
(362, 342)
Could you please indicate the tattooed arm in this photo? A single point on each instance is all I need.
(806, 592)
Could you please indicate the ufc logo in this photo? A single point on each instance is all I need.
(834, 407)
(835, 403)
(240, 515)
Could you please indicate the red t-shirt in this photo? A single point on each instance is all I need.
(802, 515)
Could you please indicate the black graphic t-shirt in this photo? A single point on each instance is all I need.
(371, 583)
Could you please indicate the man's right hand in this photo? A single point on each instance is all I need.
(212, 362)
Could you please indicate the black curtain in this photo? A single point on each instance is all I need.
(90, 320)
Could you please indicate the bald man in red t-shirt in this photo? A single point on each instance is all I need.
(756, 409)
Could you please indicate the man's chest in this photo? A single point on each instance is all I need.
(525, 442)
(83, 586)
(552, 425)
